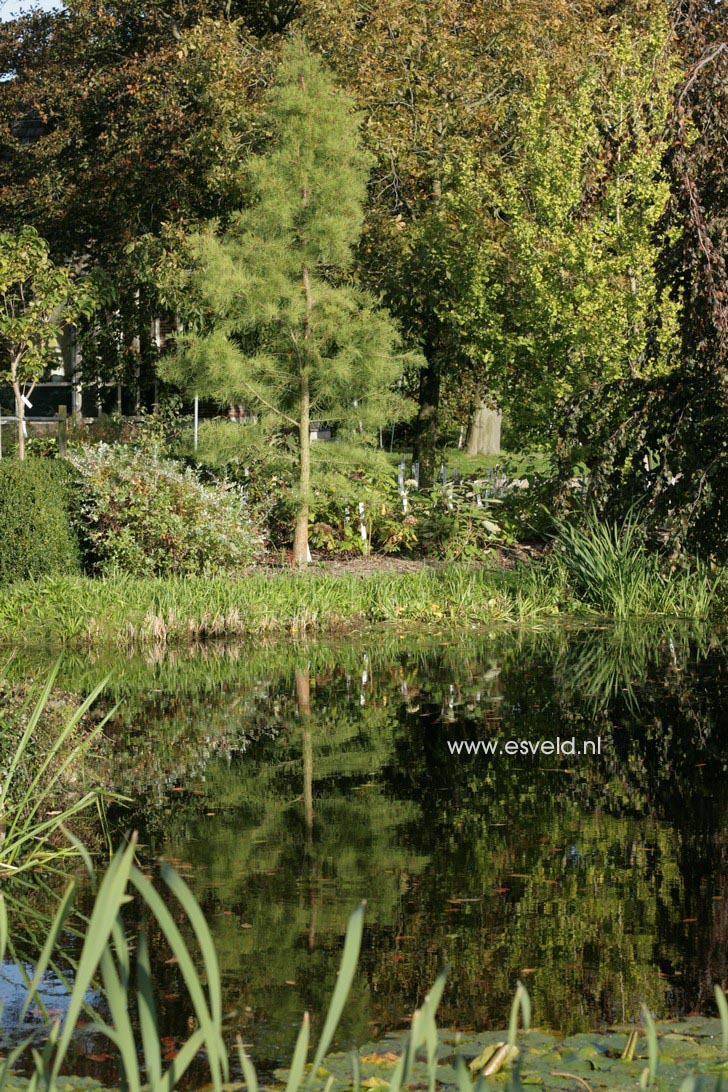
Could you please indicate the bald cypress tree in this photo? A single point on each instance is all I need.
(283, 328)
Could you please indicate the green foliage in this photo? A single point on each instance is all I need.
(283, 328)
(610, 568)
(662, 442)
(38, 502)
(107, 952)
(141, 513)
(443, 522)
(37, 298)
(43, 783)
(127, 610)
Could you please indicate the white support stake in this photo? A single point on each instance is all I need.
(197, 419)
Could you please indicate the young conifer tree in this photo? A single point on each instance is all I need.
(284, 329)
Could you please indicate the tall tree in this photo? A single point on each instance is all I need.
(114, 119)
(570, 235)
(284, 329)
(437, 80)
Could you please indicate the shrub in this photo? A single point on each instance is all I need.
(445, 522)
(142, 514)
(37, 535)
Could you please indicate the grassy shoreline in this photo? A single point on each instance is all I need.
(130, 611)
(127, 612)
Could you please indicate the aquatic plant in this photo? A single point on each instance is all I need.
(39, 784)
(107, 951)
(686, 1056)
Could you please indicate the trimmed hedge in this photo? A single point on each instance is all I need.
(37, 534)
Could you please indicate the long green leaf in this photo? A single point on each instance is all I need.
(191, 907)
(118, 999)
(109, 900)
(3, 928)
(251, 1077)
(652, 1047)
(59, 921)
(217, 1056)
(720, 1000)
(148, 1021)
(181, 1063)
(300, 1054)
(17, 758)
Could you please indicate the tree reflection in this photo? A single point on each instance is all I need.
(321, 777)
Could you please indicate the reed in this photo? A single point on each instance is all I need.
(107, 952)
(125, 611)
(29, 808)
(610, 569)
(599, 570)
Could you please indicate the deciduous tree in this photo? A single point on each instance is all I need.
(37, 299)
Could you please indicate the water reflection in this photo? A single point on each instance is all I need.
(289, 784)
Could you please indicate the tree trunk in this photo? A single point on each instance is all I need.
(484, 434)
(425, 445)
(300, 542)
(20, 414)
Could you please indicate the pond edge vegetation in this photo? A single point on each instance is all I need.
(128, 612)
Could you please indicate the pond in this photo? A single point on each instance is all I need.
(287, 784)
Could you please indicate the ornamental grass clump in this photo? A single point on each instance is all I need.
(144, 514)
(611, 569)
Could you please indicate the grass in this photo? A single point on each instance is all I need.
(127, 612)
(611, 570)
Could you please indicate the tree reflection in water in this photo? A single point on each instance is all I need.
(290, 784)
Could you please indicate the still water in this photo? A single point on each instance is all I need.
(288, 784)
